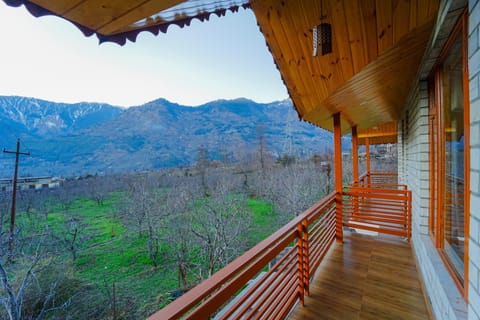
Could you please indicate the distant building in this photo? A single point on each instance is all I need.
(31, 183)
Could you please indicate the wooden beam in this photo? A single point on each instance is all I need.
(355, 154)
(337, 137)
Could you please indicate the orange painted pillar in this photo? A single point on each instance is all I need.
(367, 153)
(355, 166)
(337, 150)
(300, 271)
(355, 155)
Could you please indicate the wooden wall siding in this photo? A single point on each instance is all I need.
(377, 48)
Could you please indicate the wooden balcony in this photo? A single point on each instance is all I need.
(302, 268)
(366, 277)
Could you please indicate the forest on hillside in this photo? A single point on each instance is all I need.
(123, 246)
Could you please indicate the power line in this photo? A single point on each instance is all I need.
(14, 196)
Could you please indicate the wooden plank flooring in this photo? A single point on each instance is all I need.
(366, 277)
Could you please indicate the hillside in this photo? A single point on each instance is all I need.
(72, 139)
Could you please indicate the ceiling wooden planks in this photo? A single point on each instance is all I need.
(377, 93)
(144, 9)
(341, 56)
(110, 16)
(356, 37)
(386, 133)
(377, 48)
(368, 15)
(401, 22)
(58, 7)
(95, 14)
(117, 17)
(384, 25)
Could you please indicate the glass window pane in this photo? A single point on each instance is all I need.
(453, 213)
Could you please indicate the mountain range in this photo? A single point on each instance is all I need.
(88, 138)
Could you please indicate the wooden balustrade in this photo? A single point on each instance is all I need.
(383, 180)
(269, 279)
(379, 210)
(301, 243)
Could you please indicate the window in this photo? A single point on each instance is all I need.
(449, 154)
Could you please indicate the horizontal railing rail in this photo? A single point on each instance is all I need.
(302, 244)
(380, 180)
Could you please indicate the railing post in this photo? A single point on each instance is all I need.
(367, 161)
(409, 215)
(337, 137)
(306, 257)
(355, 155)
(355, 167)
(300, 272)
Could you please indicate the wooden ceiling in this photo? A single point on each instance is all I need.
(106, 17)
(119, 20)
(381, 134)
(377, 49)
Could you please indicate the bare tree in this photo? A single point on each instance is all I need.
(202, 167)
(98, 188)
(72, 236)
(65, 195)
(22, 288)
(4, 207)
(262, 152)
(144, 206)
(178, 233)
(295, 188)
(219, 224)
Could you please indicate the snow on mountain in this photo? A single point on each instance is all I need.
(71, 139)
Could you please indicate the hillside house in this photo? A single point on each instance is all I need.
(31, 183)
(384, 71)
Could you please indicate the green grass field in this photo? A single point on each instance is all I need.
(111, 252)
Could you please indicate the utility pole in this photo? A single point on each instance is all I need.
(14, 197)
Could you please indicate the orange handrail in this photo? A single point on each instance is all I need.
(277, 290)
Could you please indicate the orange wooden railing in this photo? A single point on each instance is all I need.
(382, 180)
(230, 293)
(269, 279)
(380, 207)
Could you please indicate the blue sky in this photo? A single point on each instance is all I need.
(224, 58)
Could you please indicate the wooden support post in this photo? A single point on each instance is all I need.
(300, 271)
(337, 137)
(355, 155)
(355, 166)
(306, 258)
(367, 154)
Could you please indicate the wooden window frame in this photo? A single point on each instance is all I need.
(432, 124)
(437, 169)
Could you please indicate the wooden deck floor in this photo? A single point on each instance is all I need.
(365, 278)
